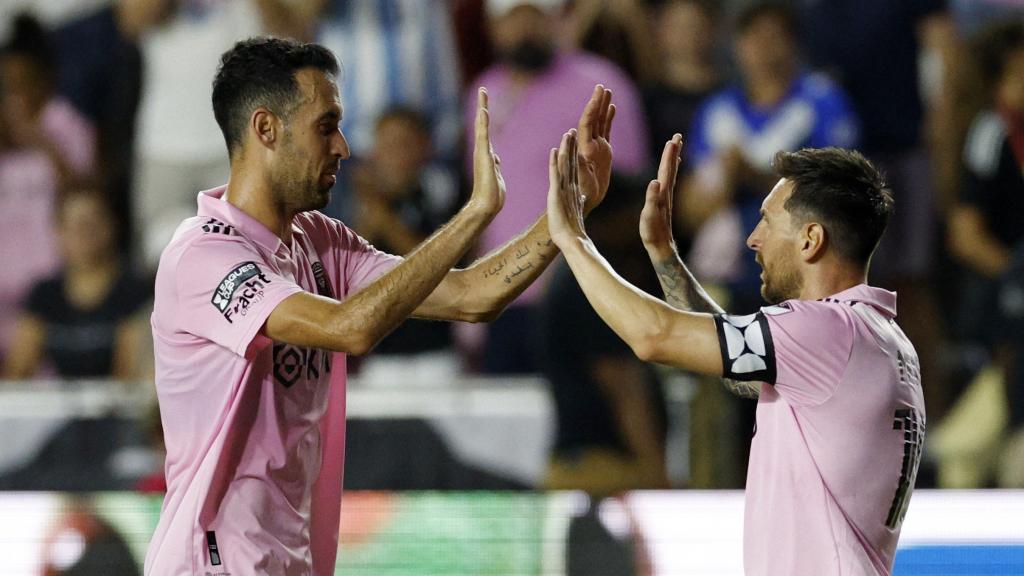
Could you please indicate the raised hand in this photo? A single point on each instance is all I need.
(594, 146)
(656, 217)
(565, 199)
(488, 184)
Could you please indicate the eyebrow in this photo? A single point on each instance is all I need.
(330, 115)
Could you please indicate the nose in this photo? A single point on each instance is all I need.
(340, 148)
(754, 240)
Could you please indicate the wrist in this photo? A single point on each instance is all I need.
(480, 210)
(661, 252)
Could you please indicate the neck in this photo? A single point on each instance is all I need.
(824, 281)
(249, 190)
(91, 271)
(769, 89)
(690, 72)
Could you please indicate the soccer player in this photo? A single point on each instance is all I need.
(840, 416)
(259, 298)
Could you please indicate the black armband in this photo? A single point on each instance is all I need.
(745, 342)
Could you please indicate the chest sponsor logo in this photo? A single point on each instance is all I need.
(239, 290)
(292, 363)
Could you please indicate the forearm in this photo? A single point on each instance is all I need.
(681, 289)
(359, 322)
(481, 291)
(655, 331)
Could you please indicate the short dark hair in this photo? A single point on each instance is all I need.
(29, 39)
(755, 10)
(261, 72)
(843, 191)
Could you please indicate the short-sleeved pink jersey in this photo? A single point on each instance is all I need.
(840, 426)
(254, 429)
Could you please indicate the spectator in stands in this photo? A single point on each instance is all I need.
(898, 63)
(774, 106)
(988, 219)
(179, 149)
(401, 200)
(685, 32)
(986, 225)
(86, 321)
(43, 143)
(610, 410)
(618, 31)
(99, 70)
(539, 89)
(395, 53)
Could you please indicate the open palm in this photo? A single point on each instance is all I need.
(656, 217)
(594, 148)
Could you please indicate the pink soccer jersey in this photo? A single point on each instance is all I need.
(840, 426)
(254, 428)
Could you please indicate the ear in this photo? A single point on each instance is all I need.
(266, 126)
(813, 242)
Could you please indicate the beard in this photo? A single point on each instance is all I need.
(301, 188)
(780, 284)
(529, 56)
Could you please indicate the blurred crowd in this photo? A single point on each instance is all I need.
(107, 134)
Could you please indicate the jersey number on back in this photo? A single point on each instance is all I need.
(909, 422)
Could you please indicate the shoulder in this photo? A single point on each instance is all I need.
(198, 241)
(827, 97)
(592, 66)
(809, 322)
(984, 144)
(722, 102)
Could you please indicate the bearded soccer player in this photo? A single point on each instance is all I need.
(840, 415)
(259, 298)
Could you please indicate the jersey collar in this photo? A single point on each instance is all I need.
(213, 205)
(883, 300)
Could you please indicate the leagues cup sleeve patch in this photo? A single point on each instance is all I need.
(246, 282)
(746, 346)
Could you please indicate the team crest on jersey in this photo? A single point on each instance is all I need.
(323, 288)
(239, 290)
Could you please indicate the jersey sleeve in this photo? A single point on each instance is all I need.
(361, 262)
(801, 348)
(226, 292)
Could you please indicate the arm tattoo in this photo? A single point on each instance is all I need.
(683, 292)
(742, 389)
(681, 289)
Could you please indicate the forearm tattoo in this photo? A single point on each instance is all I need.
(683, 292)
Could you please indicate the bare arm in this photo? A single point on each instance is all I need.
(972, 243)
(481, 291)
(358, 323)
(655, 331)
(26, 348)
(682, 291)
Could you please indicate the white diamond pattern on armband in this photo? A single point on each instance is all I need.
(745, 341)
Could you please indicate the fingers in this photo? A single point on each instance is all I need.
(483, 123)
(669, 165)
(606, 127)
(606, 102)
(590, 118)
